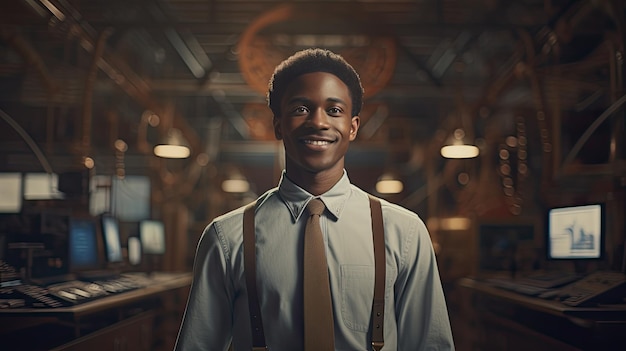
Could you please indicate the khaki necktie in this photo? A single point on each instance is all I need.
(318, 316)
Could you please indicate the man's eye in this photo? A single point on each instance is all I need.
(300, 110)
(335, 111)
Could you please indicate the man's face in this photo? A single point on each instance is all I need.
(315, 124)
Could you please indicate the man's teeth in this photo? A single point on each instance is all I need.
(317, 142)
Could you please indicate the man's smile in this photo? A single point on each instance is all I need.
(317, 142)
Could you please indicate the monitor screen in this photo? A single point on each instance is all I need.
(131, 198)
(152, 234)
(111, 238)
(10, 192)
(575, 232)
(505, 244)
(83, 244)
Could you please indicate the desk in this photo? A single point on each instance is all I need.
(507, 320)
(165, 297)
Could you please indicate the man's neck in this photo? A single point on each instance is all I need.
(315, 183)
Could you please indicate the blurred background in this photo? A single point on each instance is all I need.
(529, 92)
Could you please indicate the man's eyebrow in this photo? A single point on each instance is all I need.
(298, 99)
(304, 100)
(336, 100)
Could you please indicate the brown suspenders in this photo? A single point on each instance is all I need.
(249, 259)
(378, 305)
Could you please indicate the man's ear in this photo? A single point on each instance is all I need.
(354, 129)
(277, 133)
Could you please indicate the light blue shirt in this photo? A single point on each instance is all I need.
(416, 316)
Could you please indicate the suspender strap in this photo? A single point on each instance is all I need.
(249, 254)
(378, 305)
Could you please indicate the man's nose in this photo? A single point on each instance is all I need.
(319, 118)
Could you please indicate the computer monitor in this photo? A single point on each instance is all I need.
(576, 232)
(152, 235)
(130, 198)
(111, 239)
(83, 245)
(507, 245)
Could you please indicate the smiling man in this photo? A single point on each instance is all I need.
(316, 98)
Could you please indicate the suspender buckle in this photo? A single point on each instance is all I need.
(377, 345)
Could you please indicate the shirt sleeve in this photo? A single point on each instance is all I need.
(207, 321)
(421, 311)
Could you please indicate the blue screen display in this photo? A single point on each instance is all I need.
(83, 244)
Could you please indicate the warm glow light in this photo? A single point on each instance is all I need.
(174, 146)
(459, 151)
(172, 151)
(455, 223)
(389, 186)
(89, 162)
(448, 223)
(235, 186)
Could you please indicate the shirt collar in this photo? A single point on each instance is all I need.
(296, 198)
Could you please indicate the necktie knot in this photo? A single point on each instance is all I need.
(315, 207)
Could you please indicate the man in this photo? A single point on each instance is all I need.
(316, 98)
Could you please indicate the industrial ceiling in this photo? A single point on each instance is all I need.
(79, 75)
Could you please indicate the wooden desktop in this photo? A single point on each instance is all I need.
(506, 320)
(146, 318)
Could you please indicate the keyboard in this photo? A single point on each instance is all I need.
(549, 279)
(67, 293)
(27, 295)
(9, 276)
(515, 286)
(119, 284)
(75, 292)
(592, 289)
(596, 288)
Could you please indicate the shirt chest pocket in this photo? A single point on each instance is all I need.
(357, 292)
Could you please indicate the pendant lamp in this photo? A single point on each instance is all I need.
(173, 145)
(457, 148)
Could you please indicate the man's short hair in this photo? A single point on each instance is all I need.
(310, 61)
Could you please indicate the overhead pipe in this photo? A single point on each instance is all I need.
(121, 74)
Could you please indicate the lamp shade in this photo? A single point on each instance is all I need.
(459, 151)
(457, 148)
(173, 146)
(388, 184)
(235, 186)
(235, 183)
